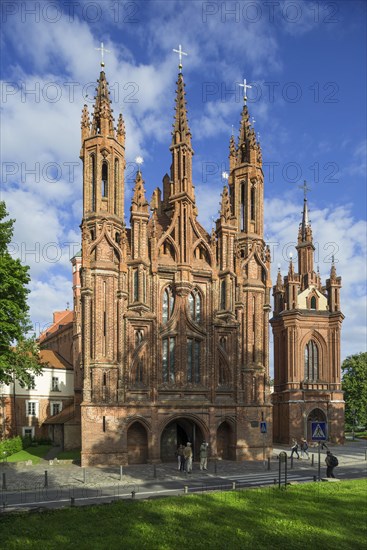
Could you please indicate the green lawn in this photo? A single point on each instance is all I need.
(325, 516)
(30, 453)
(69, 455)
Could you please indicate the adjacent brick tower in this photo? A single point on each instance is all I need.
(174, 320)
(306, 326)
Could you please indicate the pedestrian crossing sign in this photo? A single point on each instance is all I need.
(319, 431)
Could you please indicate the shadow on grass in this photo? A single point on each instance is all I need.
(323, 516)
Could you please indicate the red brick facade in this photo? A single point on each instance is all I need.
(174, 321)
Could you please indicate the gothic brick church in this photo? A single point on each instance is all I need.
(170, 328)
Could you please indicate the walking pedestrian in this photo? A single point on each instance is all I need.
(331, 462)
(304, 447)
(204, 456)
(294, 448)
(188, 458)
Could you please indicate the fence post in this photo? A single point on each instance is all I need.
(291, 462)
(269, 463)
(313, 459)
(121, 473)
(46, 479)
(234, 485)
(84, 475)
(154, 471)
(186, 489)
(215, 466)
(4, 481)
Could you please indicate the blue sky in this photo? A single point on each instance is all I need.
(306, 62)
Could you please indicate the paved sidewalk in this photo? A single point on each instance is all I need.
(22, 477)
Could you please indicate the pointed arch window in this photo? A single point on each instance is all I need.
(136, 284)
(194, 300)
(311, 361)
(168, 359)
(104, 183)
(93, 181)
(116, 175)
(223, 295)
(242, 206)
(193, 360)
(253, 202)
(313, 302)
(221, 374)
(168, 304)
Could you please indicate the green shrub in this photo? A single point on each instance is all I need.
(10, 446)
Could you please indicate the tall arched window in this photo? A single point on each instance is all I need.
(93, 182)
(253, 199)
(136, 285)
(311, 361)
(168, 359)
(168, 304)
(313, 302)
(104, 184)
(195, 306)
(243, 206)
(223, 295)
(193, 360)
(116, 174)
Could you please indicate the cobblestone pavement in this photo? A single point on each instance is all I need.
(20, 476)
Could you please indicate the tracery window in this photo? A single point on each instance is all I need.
(194, 300)
(311, 361)
(193, 360)
(104, 183)
(168, 359)
(167, 305)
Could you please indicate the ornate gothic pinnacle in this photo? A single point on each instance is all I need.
(139, 201)
(85, 123)
(181, 130)
(102, 115)
(279, 284)
(120, 133)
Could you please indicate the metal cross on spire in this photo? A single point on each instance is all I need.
(245, 86)
(102, 49)
(180, 54)
(305, 189)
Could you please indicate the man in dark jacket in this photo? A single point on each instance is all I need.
(331, 461)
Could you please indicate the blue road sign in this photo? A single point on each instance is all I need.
(319, 431)
(263, 427)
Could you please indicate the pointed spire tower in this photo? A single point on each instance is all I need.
(305, 246)
(103, 248)
(246, 180)
(181, 149)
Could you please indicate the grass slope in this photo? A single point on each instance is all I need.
(316, 515)
(30, 453)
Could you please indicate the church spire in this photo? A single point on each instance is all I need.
(102, 116)
(181, 131)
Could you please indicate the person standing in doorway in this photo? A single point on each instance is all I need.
(180, 458)
(188, 458)
(204, 456)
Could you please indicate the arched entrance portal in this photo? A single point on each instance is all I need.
(225, 442)
(137, 444)
(179, 432)
(316, 415)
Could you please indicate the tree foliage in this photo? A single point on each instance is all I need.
(354, 385)
(18, 354)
